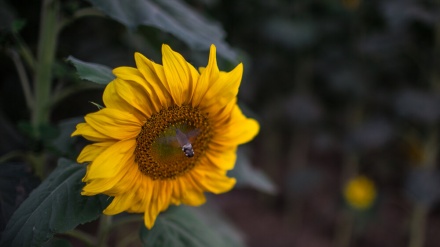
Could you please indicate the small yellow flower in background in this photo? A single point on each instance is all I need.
(360, 193)
(168, 133)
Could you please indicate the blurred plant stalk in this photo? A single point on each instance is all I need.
(38, 98)
(421, 210)
(45, 58)
(47, 43)
(347, 218)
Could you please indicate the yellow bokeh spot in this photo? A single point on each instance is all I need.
(360, 193)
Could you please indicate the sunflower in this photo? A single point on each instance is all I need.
(360, 192)
(167, 134)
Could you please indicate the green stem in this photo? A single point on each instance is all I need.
(84, 237)
(128, 239)
(126, 220)
(37, 160)
(420, 213)
(344, 232)
(105, 222)
(25, 51)
(11, 155)
(418, 225)
(45, 58)
(344, 229)
(25, 84)
(47, 42)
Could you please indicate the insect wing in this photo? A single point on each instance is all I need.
(181, 138)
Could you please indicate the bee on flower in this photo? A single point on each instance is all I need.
(128, 158)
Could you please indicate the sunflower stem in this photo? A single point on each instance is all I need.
(37, 161)
(89, 240)
(344, 234)
(418, 225)
(45, 59)
(43, 74)
(128, 239)
(344, 229)
(105, 222)
(126, 220)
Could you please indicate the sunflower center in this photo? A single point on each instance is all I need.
(160, 145)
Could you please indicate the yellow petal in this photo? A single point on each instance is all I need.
(160, 200)
(91, 151)
(135, 95)
(225, 89)
(238, 131)
(112, 99)
(190, 194)
(128, 74)
(85, 130)
(224, 160)
(120, 203)
(137, 206)
(125, 180)
(112, 160)
(165, 195)
(143, 195)
(149, 218)
(213, 181)
(177, 74)
(209, 75)
(98, 186)
(129, 177)
(114, 123)
(151, 210)
(193, 198)
(194, 78)
(221, 116)
(179, 188)
(155, 78)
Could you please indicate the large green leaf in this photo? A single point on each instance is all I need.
(173, 16)
(16, 182)
(63, 142)
(92, 71)
(248, 176)
(55, 206)
(56, 242)
(184, 226)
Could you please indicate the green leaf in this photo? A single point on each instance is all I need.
(173, 16)
(248, 176)
(55, 206)
(63, 142)
(91, 71)
(56, 242)
(182, 226)
(16, 182)
(18, 25)
(48, 132)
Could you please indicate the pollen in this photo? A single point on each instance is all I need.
(157, 152)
